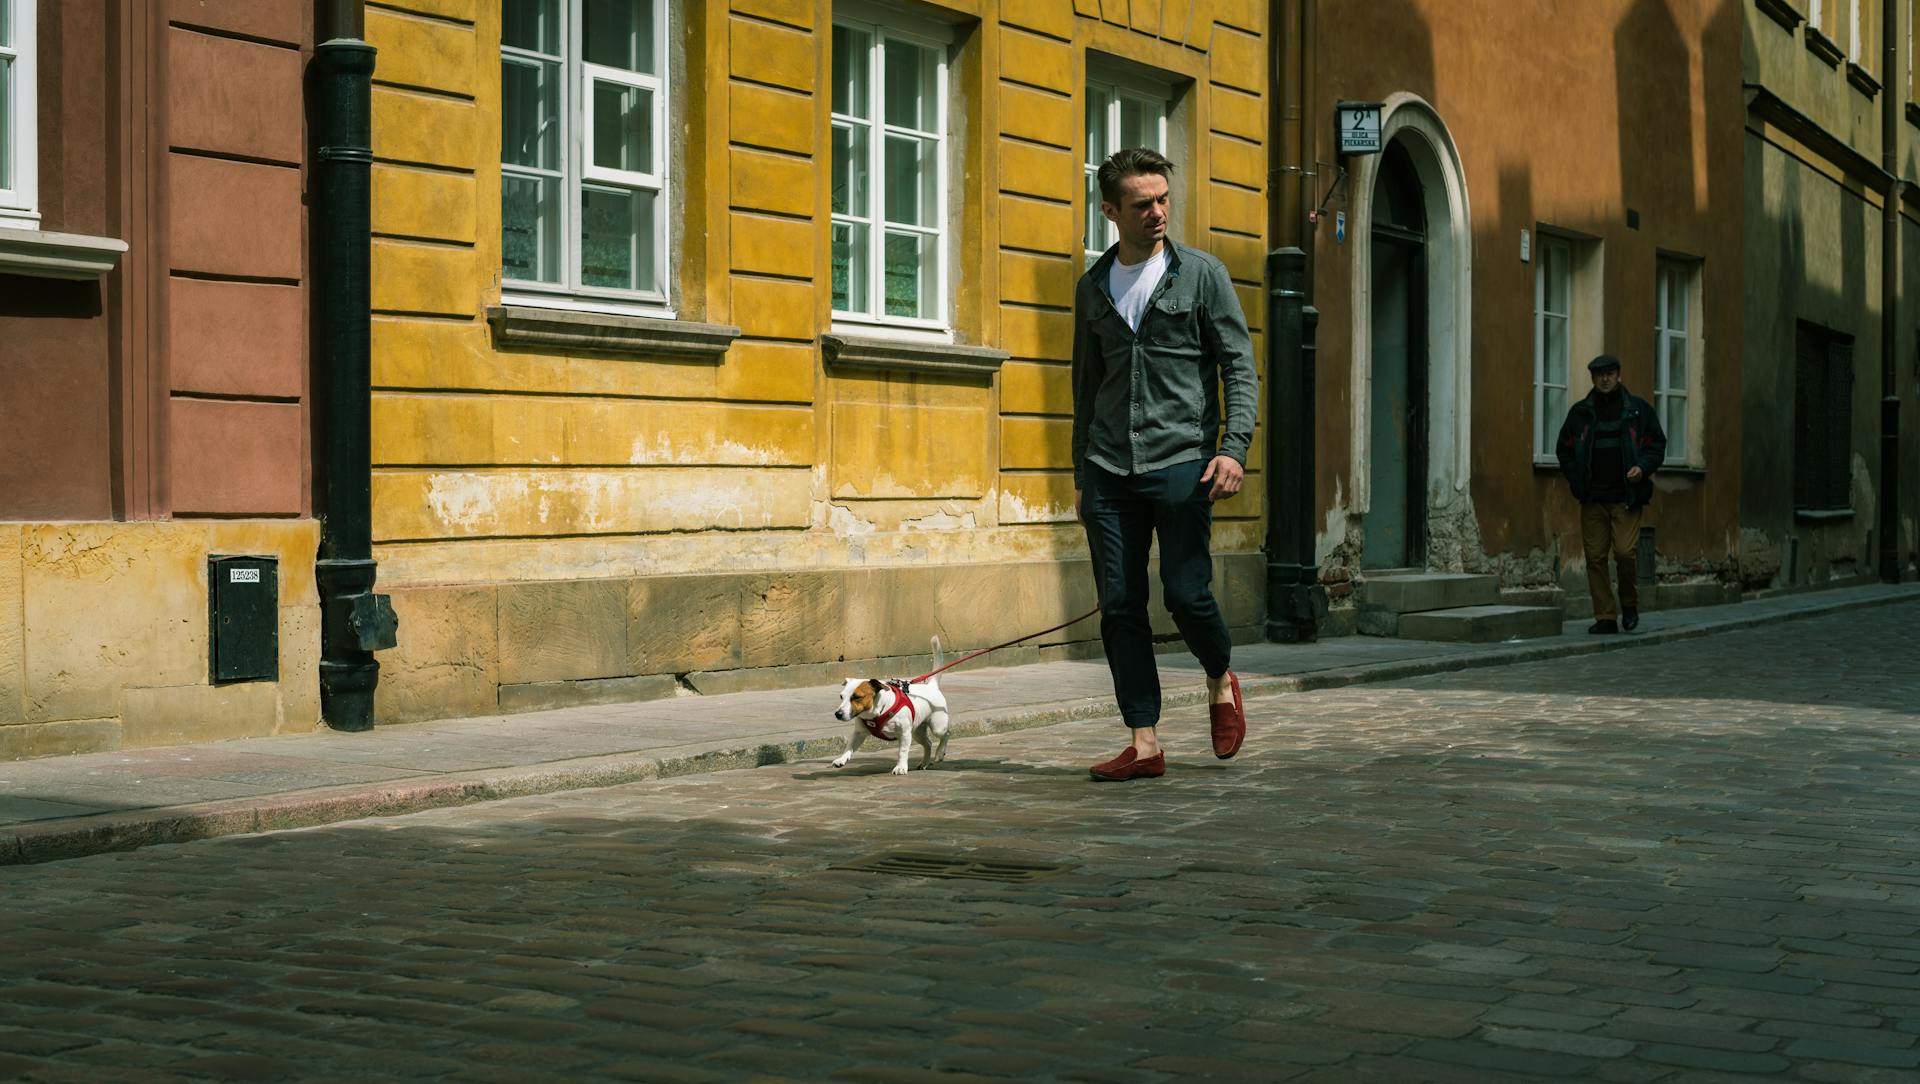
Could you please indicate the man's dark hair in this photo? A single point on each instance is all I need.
(1123, 164)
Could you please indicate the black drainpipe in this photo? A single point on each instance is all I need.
(1890, 106)
(1295, 599)
(354, 622)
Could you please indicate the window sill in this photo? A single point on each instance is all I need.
(1862, 81)
(1780, 11)
(47, 255)
(1823, 47)
(1913, 114)
(1822, 515)
(873, 353)
(1691, 470)
(531, 328)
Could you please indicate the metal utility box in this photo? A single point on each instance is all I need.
(1645, 566)
(243, 611)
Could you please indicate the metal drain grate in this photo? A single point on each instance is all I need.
(961, 867)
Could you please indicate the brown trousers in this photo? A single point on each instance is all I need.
(1610, 529)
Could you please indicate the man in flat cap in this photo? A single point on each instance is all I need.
(1609, 448)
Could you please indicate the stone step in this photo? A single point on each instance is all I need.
(1481, 624)
(1415, 592)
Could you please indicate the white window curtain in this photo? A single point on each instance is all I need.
(584, 178)
(1673, 367)
(890, 181)
(1552, 342)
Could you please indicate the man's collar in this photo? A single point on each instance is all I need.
(1111, 256)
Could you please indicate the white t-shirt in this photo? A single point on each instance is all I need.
(1132, 284)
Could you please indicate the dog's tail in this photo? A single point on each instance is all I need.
(939, 657)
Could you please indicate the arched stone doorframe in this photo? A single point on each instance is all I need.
(1449, 244)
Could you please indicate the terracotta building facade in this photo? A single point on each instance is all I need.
(1554, 182)
(153, 370)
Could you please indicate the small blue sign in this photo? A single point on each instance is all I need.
(1340, 226)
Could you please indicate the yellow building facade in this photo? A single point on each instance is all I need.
(729, 347)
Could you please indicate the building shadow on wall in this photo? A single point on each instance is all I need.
(1808, 239)
(1652, 61)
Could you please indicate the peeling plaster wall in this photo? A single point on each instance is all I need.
(525, 473)
(104, 636)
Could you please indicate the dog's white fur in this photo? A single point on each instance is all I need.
(866, 698)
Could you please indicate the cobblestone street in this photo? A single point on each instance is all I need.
(1688, 863)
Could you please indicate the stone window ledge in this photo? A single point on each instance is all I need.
(910, 356)
(1822, 515)
(1780, 11)
(48, 255)
(1862, 80)
(1823, 47)
(565, 330)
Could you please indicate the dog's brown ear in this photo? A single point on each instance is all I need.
(873, 686)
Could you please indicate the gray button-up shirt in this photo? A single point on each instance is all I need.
(1150, 398)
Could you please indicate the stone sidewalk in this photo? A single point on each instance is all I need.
(66, 807)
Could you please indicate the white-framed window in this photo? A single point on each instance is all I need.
(890, 176)
(1118, 117)
(1552, 341)
(19, 119)
(583, 158)
(1675, 364)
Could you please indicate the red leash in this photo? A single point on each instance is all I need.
(1009, 643)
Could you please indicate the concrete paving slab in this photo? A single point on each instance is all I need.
(20, 810)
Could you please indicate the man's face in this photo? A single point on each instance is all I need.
(1606, 380)
(1140, 213)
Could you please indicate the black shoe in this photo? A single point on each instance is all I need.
(1603, 627)
(1629, 618)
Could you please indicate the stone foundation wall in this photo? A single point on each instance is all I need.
(104, 635)
(482, 649)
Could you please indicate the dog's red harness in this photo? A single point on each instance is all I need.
(877, 726)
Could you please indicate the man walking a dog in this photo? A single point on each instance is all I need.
(1609, 447)
(1157, 330)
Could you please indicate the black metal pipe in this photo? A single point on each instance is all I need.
(1295, 600)
(354, 622)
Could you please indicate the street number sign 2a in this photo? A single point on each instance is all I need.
(1358, 127)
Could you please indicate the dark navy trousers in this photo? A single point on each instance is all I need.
(1123, 514)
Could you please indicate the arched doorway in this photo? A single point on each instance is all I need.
(1396, 519)
(1417, 142)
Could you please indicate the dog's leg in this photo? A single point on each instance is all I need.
(853, 746)
(924, 735)
(906, 750)
(938, 722)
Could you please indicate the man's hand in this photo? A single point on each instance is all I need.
(1226, 474)
(1633, 473)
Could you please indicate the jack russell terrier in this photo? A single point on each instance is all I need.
(896, 711)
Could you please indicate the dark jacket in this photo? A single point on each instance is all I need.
(1644, 444)
(1149, 399)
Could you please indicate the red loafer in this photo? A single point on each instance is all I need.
(1229, 722)
(1128, 765)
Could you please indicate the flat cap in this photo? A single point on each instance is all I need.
(1604, 361)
